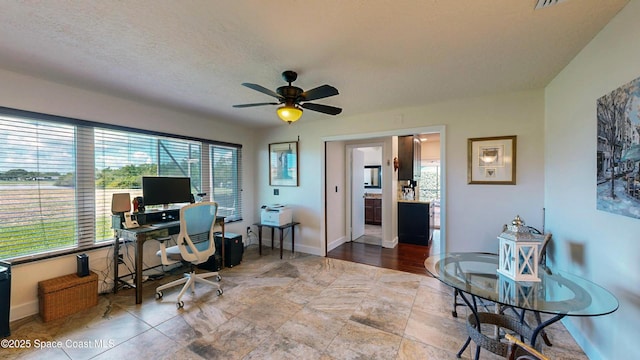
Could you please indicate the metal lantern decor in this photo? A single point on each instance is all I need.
(519, 252)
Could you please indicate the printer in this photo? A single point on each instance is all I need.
(276, 215)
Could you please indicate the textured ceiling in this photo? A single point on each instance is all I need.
(192, 56)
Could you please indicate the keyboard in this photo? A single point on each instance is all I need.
(166, 223)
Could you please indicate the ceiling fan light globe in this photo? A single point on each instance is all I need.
(289, 113)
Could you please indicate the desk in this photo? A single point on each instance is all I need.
(282, 228)
(139, 235)
(558, 293)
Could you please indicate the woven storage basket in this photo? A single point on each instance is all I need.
(66, 295)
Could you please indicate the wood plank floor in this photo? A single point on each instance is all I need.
(404, 257)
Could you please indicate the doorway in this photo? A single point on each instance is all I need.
(364, 176)
(366, 194)
(338, 229)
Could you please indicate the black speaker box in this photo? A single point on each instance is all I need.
(83, 265)
(233, 251)
(233, 248)
(140, 204)
(214, 263)
(5, 298)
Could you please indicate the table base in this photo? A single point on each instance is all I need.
(494, 345)
(519, 326)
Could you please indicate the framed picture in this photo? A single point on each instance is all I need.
(492, 160)
(283, 164)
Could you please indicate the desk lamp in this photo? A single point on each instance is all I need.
(120, 204)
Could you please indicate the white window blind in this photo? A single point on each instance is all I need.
(121, 159)
(37, 187)
(226, 181)
(57, 177)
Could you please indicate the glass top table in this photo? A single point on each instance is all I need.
(557, 293)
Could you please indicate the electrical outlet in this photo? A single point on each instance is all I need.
(248, 230)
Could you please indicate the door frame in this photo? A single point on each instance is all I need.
(356, 194)
(348, 179)
(390, 218)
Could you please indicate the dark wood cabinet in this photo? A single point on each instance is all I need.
(413, 223)
(373, 211)
(368, 211)
(409, 157)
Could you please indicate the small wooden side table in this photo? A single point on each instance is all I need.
(282, 228)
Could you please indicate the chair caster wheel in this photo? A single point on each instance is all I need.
(454, 314)
(159, 295)
(220, 292)
(218, 278)
(180, 304)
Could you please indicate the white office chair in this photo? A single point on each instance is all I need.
(195, 244)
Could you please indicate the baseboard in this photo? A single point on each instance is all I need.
(390, 244)
(335, 243)
(311, 250)
(308, 250)
(24, 310)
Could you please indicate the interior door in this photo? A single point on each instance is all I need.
(357, 194)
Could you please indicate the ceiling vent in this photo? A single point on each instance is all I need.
(546, 3)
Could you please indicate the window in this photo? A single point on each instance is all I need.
(121, 159)
(57, 176)
(38, 194)
(226, 181)
(429, 183)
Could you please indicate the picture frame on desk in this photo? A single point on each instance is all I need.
(283, 164)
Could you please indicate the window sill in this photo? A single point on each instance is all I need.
(55, 254)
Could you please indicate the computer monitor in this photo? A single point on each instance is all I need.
(164, 190)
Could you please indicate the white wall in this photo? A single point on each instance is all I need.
(372, 155)
(430, 150)
(600, 246)
(27, 93)
(335, 189)
(477, 211)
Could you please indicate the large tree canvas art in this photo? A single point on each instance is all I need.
(618, 151)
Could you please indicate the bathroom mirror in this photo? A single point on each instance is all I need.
(372, 176)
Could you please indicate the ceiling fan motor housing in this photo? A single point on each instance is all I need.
(290, 93)
(289, 76)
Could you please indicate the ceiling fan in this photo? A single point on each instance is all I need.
(294, 99)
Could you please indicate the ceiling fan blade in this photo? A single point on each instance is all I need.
(255, 104)
(262, 89)
(319, 93)
(326, 109)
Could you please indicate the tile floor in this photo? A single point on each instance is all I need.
(300, 307)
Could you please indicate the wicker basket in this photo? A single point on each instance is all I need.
(496, 346)
(66, 295)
